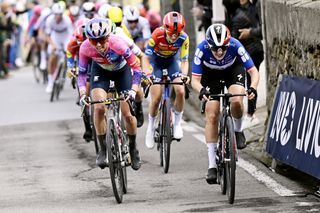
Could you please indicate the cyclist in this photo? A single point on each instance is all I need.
(116, 15)
(88, 10)
(73, 57)
(58, 29)
(222, 57)
(113, 60)
(137, 25)
(162, 53)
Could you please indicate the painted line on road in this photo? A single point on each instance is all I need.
(259, 175)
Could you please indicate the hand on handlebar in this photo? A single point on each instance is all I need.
(72, 73)
(185, 79)
(252, 93)
(204, 93)
(84, 100)
(130, 95)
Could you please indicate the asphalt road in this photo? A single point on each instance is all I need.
(45, 166)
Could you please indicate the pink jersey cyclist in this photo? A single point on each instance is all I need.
(114, 59)
(111, 59)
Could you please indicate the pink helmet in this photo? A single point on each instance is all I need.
(82, 22)
(37, 10)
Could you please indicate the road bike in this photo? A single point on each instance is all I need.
(39, 74)
(226, 155)
(59, 75)
(117, 144)
(163, 135)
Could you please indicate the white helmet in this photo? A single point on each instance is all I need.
(46, 11)
(103, 10)
(57, 9)
(88, 7)
(131, 13)
(74, 10)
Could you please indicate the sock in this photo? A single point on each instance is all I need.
(212, 148)
(177, 117)
(43, 56)
(50, 79)
(237, 123)
(151, 121)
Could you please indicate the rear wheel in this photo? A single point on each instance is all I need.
(166, 140)
(115, 168)
(35, 64)
(231, 164)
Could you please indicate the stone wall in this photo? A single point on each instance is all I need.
(292, 32)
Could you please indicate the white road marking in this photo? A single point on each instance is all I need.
(253, 171)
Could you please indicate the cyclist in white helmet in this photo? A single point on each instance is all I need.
(58, 29)
(88, 10)
(137, 25)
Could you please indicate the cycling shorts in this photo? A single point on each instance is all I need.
(211, 78)
(100, 78)
(170, 63)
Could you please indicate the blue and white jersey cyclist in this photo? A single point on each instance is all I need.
(221, 57)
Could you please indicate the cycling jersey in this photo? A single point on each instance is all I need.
(125, 30)
(204, 58)
(141, 31)
(117, 55)
(134, 48)
(159, 45)
(72, 52)
(60, 33)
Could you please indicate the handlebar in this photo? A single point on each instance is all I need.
(223, 95)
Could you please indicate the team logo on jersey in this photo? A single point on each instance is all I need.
(196, 61)
(239, 77)
(95, 78)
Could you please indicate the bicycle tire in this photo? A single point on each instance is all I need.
(124, 150)
(115, 168)
(166, 141)
(53, 92)
(35, 64)
(231, 164)
(222, 171)
(94, 134)
(59, 81)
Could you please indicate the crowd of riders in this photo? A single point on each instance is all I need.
(105, 41)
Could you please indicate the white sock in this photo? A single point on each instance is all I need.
(50, 79)
(237, 123)
(151, 122)
(43, 56)
(177, 117)
(212, 148)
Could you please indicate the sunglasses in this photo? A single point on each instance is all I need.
(215, 49)
(132, 22)
(101, 41)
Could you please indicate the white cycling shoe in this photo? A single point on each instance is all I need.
(49, 88)
(150, 137)
(177, 131)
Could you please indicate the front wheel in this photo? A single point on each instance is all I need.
(167, 136)
(115, 168)
(230, 166)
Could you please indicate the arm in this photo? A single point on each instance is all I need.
(83, 64)
(133, 62)
(184, 53)
(195, 83)
(254, 74)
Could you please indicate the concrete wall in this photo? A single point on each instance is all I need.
(292, 32)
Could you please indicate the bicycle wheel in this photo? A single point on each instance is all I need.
(94, 134)
(54, 91)
(115, 168)
(60, 81)
(230, 166)
(167, 137)
(35, 64)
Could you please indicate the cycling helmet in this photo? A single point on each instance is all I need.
(103, 10)
(74, 10)
(218, 35)
(57, 9)
(97, 28)
(46, 11)
(63, 4)
(88, 7)
(131, 13)
(115, 14)
(79, 34)
(173, 22)
(37, 10)
(112, 26)
(82, 22)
